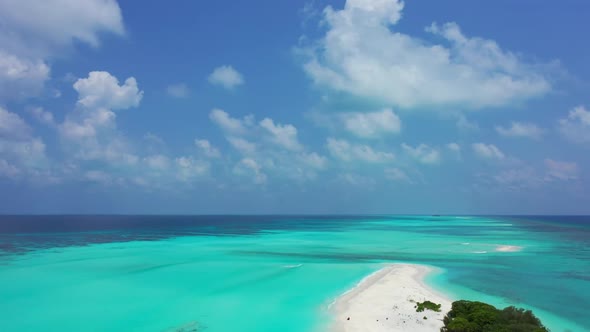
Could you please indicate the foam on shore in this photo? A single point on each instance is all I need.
(386, 300)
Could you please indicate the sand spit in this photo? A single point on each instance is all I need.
(386, 300)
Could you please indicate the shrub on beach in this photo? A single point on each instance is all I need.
(421, 306)
(472, 316)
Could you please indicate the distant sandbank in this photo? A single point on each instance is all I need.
(386, 300)
(507, 248)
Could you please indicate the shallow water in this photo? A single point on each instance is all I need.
(230, 273)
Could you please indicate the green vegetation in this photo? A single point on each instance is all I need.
(470, 316)
(421, 306)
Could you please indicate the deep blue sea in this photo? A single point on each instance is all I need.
(274, 273)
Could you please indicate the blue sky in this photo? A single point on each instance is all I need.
(357, 106)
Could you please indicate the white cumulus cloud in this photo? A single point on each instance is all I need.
(465, 124)
(13, 126)
(520, 129)
(20, 151)
(250, 168)
(206, 148)
(102, 90)
(33, 31)
(189, 169)
(58, 22)
(90, 132)
(423, 153)
(226, 76)
(43, 116)
(21, 77)
(282, 135)
(362, 54)
(347, 151)
(314, 160)
(454, 147)
(397, 174)
(487, 151)
(371, 124)
(242, 145)
(576, 126)
(228, 124)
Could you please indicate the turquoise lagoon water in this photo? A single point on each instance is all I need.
(274, 273)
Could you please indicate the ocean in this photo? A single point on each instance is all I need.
(275, 273)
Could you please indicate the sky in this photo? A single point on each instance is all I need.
(294, 107)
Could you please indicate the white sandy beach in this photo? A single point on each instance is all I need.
(385, 301)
